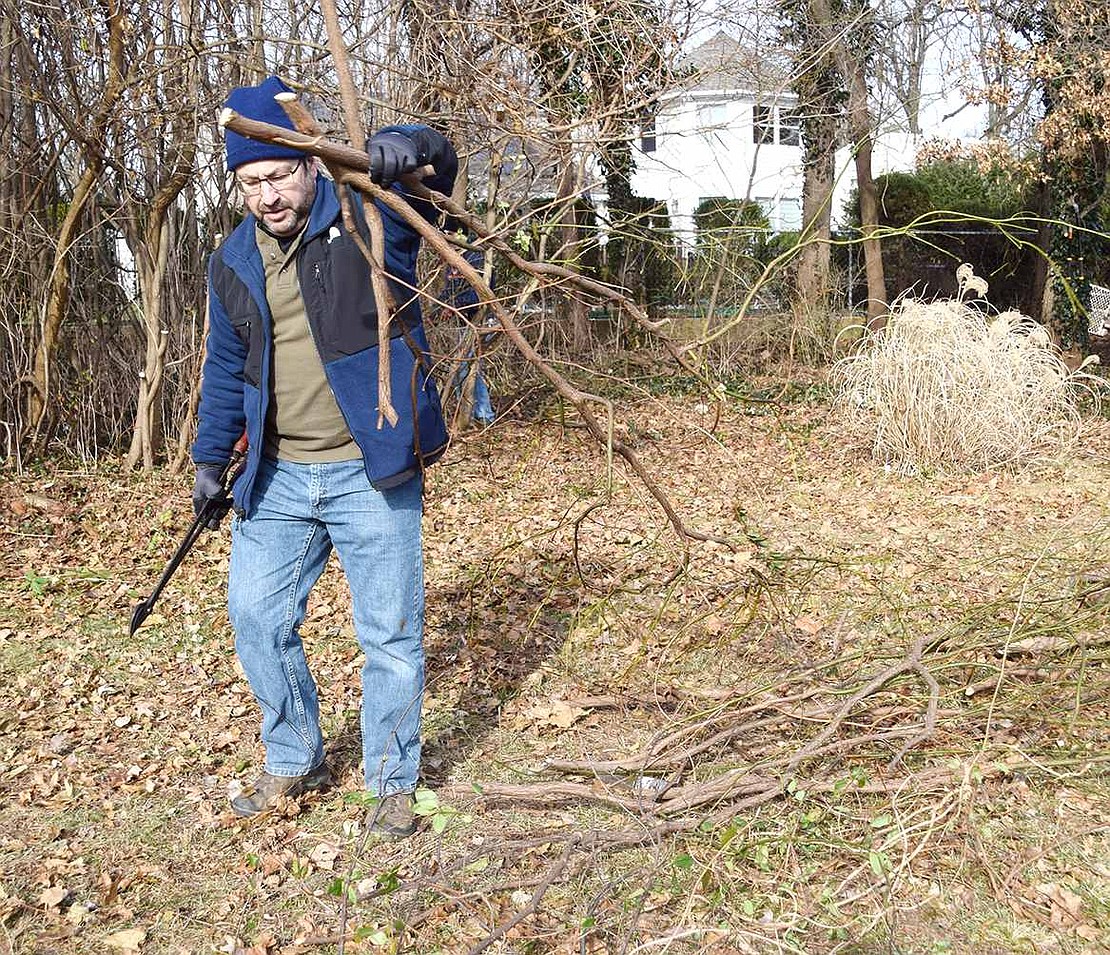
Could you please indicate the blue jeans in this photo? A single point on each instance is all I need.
(277, 555)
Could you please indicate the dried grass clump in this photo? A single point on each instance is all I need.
(949, 388)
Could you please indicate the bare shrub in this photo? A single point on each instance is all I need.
(946, 387)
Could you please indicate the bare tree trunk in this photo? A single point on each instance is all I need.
(56, 301)
(185, 431)
(7, 127)
(152, 258)
(859, 123)
(869, 218)
(817, 192)
(573, 309)
(258, 41)
(1039, 301)
(146, 440)
(849, 61)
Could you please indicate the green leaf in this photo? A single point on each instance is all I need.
(426, 804)
(372, 934)
(761, 856)
(879, 862)
(389, 880)
(361, 799)
(684, 861)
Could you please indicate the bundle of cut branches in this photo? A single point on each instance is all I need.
(349, 167)
(945, 386)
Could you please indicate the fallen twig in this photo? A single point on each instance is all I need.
(533, 905)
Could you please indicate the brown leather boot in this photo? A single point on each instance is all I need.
(265, 791)
(393, 817)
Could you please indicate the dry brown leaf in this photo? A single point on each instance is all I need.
(557, 713)
(128, 940)
(53, 896)
(714, 624)
(808, 625)
(324, 856)
(1065, 903)
(262, 944)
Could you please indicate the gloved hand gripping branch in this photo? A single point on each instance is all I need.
(392, 155)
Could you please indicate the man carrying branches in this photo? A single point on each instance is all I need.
(293, 359)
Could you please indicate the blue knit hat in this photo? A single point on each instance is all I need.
(257, 102)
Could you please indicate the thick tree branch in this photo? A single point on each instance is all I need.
(305, 123)
(350, 167)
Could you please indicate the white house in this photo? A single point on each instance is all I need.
(730, 130)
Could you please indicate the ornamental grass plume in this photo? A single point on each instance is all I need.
(946, 387)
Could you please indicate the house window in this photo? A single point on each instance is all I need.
(784, 214)
(763, 124)
(775, 124)
(790, 215)
(647, 135)
(712, 116)
(790, 129)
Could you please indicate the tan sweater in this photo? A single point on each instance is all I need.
(303, 422)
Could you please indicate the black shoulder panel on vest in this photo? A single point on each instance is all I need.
(244, 316)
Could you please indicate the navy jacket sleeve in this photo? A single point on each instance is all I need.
(435, 150)
(221, 398)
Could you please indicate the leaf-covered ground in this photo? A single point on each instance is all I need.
(879, 723)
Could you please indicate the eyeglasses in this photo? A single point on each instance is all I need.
(279, 181)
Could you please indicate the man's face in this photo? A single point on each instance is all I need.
(278, 192)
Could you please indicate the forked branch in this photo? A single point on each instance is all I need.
(350, 167)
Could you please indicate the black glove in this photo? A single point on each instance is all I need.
(391, 156)
(208, 488)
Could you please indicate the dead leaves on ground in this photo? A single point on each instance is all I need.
(117, 755)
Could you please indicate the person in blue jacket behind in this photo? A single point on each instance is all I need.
(463, 299)
(292, 360)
